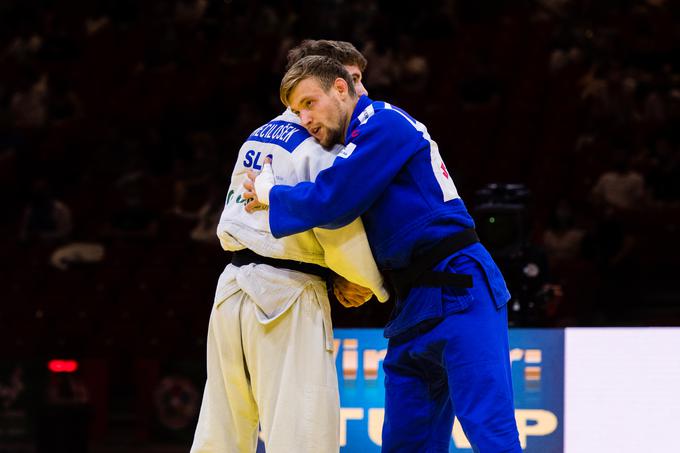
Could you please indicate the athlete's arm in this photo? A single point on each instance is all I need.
(377, 152)
(348, 254)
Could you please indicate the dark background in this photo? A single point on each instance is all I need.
(120, 121)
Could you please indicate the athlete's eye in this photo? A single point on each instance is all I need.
(309, 104)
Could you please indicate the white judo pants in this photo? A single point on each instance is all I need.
(270, 362)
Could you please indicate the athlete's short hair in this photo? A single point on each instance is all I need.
(324, 69)
(343, 51)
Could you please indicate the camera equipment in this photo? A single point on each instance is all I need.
(501, 215)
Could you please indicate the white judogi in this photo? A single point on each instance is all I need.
(270, 340)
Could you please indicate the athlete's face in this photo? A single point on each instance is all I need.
(357, 78)
(325, 114)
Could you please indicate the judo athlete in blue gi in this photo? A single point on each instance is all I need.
(448, 341)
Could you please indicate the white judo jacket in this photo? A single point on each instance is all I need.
(296, 156)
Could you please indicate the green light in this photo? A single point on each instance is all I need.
(492, 220)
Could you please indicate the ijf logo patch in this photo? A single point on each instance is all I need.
(349, 149)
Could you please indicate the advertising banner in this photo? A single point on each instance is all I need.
(537, 357)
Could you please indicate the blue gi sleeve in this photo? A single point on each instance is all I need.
(378, 150)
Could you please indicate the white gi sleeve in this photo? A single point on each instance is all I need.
(348, 254)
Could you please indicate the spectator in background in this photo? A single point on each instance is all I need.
(96, 23)
(562, 58)
(654, 110)
(547, 9)
(64, 104)
(76, 254)
(674, 109)
(66, 389)
(572, 275)
(189, 12)
(23, 46)
(562, 240)
(611, 244)
(248, 117)
(192, 173)
(28, 105)
(383, 72)
(664, 174)
(45, 218)
(414, 71)
(621, 188)
(131, 216)
(8, 154)
(207, 216)
(481, 85)
(132, 220)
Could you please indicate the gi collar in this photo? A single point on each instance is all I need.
(363, 102)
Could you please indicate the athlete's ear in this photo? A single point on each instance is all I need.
(340, 85)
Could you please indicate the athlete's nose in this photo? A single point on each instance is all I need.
(305, 118)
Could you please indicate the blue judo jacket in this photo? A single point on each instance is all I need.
(391, 174)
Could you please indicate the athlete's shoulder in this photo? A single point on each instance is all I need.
(385, 114)
(386, 118)
(393, 113)
(284, 130)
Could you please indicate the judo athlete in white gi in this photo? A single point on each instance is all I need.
(270, 343)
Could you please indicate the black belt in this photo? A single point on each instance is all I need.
(247, 256)
(420, 273)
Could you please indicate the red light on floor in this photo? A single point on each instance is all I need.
(62, 366)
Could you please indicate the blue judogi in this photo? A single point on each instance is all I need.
(448, 347)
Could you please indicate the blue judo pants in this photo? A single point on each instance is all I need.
(460, 367)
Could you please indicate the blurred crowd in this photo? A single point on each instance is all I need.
(120, 121)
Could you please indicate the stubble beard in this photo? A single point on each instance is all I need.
(335, 135)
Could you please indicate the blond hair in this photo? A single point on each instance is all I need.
(324, 69)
